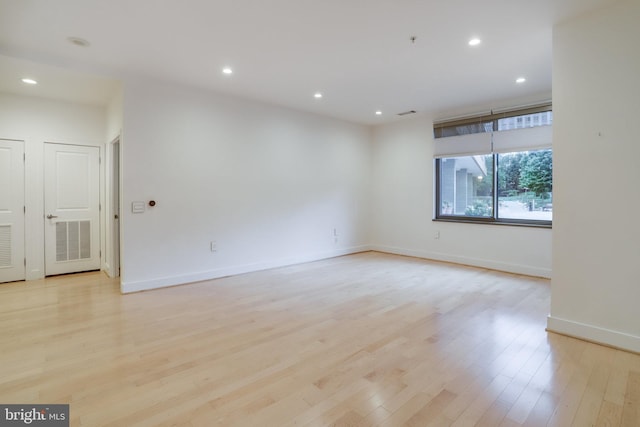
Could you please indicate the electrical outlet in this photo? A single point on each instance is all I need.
(213, 246)
(436, 235)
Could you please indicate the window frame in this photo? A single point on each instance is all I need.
(439, 129)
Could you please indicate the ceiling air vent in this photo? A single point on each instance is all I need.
(407, 113)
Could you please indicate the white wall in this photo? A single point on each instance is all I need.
(402, 210)
(267, 184)
(114, 116)
(37, 121)
(596, 242)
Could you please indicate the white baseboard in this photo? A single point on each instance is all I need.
(475, 262)
(162, 282)
(594, 334)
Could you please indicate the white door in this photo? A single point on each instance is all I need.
(11, 211)
(72, 208)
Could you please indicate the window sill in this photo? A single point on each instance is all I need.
(512, 223)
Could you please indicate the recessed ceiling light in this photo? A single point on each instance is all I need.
(227, 70)
(378, 113)
(521, 80)
(77, 41)
(29, 81)
(474, 42)
(317, 95)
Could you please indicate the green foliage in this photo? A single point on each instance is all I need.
(536, 172)
(479, 208)
(526, 171)
(509, 173)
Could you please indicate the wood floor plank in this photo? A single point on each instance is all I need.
(483, 401)
(363, 340)
(542, 411)
(617, 384)
(631, 409)
(593, 397)
(494, 415)
(405, 412)
(610, 415)
(431, 410)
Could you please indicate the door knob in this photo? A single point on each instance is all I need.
(51, 216)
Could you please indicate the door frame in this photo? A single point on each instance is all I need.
(114, 203)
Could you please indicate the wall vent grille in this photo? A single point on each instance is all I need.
(5, 246)
(73, 240)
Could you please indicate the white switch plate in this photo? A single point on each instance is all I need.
(137, 207)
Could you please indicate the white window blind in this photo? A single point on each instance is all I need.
(528, 139)
(463, 145)
(522, 129)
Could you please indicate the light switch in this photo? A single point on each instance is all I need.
(137, 207)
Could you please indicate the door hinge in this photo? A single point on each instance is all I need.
(100, 253)
(100, 206)
(24, 157)
(24, 209)
(25, 262)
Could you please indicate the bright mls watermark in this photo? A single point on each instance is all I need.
(34, 415)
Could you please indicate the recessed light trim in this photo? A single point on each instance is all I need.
(227, 71)
(29, 81)
(520, 80)
(317, 95)
(474, 41)
(78, 41)
(378, 113)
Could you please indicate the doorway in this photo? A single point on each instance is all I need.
(72, 208)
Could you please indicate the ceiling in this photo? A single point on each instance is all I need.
(358, 54)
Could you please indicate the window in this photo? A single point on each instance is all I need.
(466, 186)
(524, 185)
(500, 175)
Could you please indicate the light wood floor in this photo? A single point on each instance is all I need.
(362, 340)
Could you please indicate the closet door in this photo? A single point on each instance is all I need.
(72, 208)
(11, 211)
